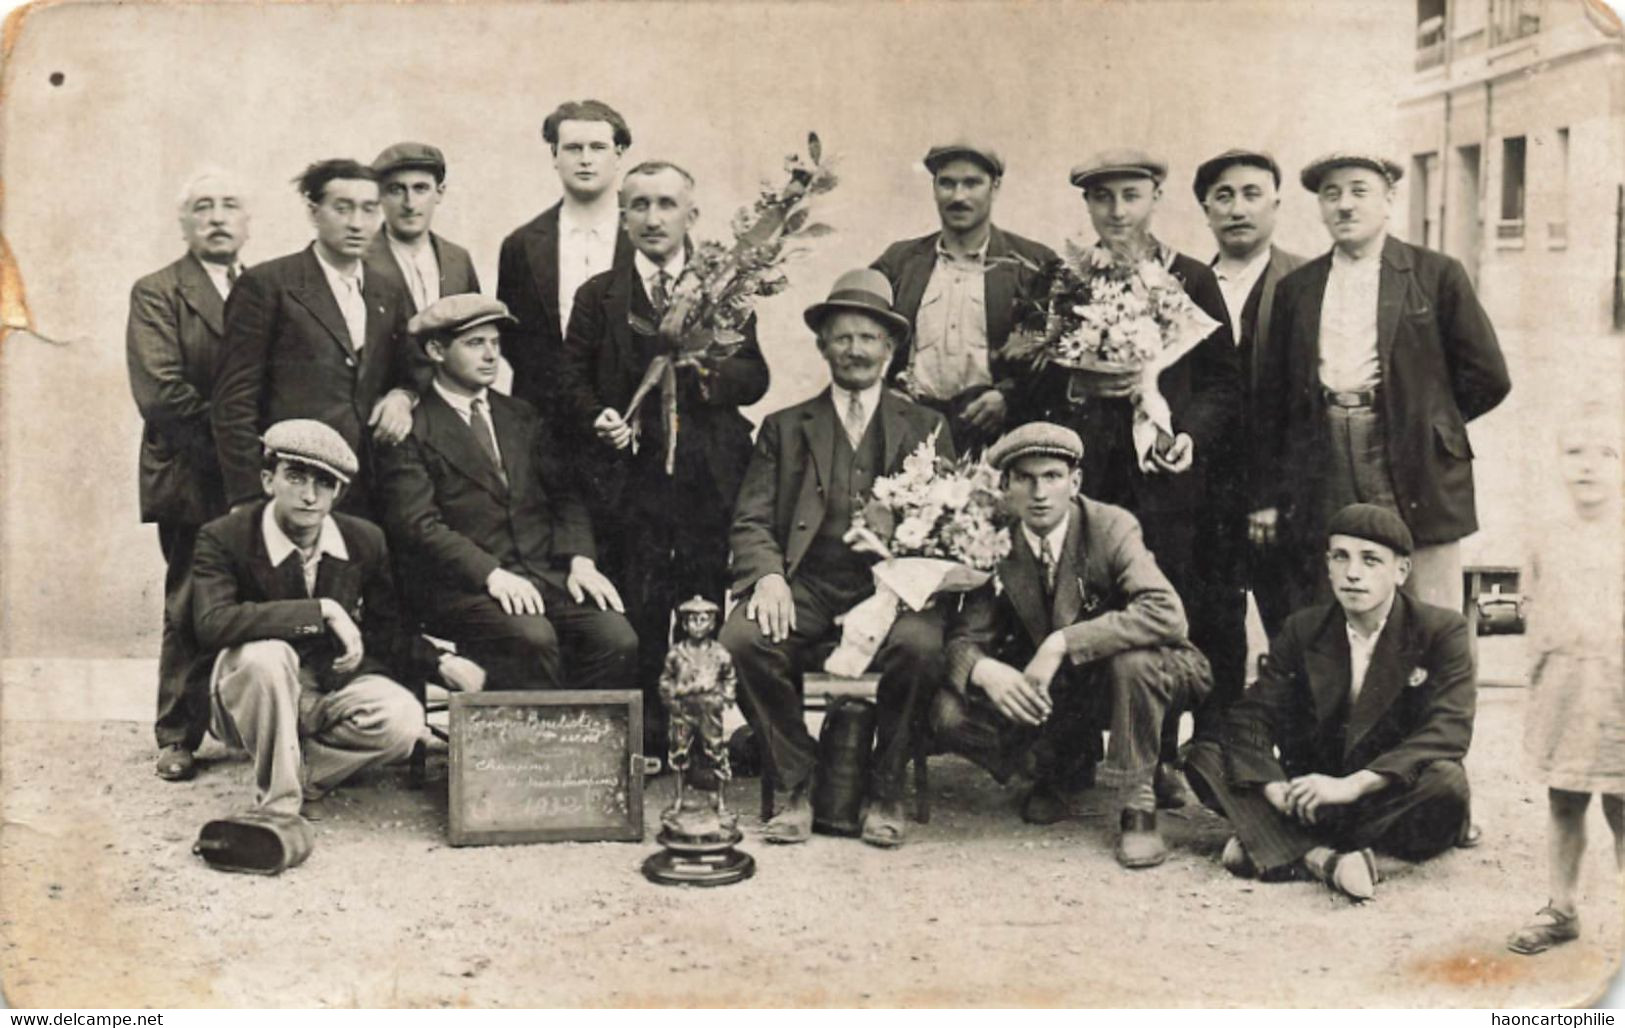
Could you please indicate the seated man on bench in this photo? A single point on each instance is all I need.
(1085, 631)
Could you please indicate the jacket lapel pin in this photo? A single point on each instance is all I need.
(1418, 676)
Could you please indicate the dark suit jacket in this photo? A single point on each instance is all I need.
(1441, 368)
(604, 360)
(172, 345)
(456, 267)
(239, 597)
(1415, 707)
(783, 500)
(288, 354)
(1110, 596)
(528, 282)
(908, 266)
(453, 520)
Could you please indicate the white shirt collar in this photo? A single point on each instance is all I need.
(278, 545)
(868, 399)
(1249, 272)
(574, 220)
(401, 246)
(648, 269)
(1356, 638)
(461, 404)
(1056, 536)
(335, 277)
(217, 274)
(978, 254)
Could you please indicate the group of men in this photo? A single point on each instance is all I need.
(541, 534)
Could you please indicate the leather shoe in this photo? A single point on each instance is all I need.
(176, 763)
(793, 822)
(1237, 860)
(884, 824)
(1471, 835)
(1140, 844)
(1172, 792)
(1043, 805)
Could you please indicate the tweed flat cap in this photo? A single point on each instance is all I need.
(1036, 438)
(988, 158)
(450, 315)
(1316, 169)
(305, 441)
(1208, 171)
(1374, 524)
(1118, 163)
(402, 156)
(864, 290)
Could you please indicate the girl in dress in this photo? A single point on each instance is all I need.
(1575, 727)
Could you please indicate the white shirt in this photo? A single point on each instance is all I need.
(1056, 537)
(585, 249)
(1236, 282)
(464, 406)
(1348, 323)
(347, 291)
(278, 545)
(868, 401)
(649, 271)
(950, 328)
(1360, 649)
(218, 275)
(420, 266)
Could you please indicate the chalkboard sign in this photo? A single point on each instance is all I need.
(546, 766)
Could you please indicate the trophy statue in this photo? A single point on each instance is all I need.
(698, 831)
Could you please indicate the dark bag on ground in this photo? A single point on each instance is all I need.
(844, 746)
(256, 842)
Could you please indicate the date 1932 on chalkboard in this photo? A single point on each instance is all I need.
(546, 767)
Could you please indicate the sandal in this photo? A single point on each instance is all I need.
(1549, 928)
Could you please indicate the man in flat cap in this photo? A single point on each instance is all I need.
(172, 344)
(412, 182)
(297, 609)
(670, 531)
(312, 335)
(1084, 630)
(498, 546)
(1170, 492)
(1353, 737)
(957, 287)
(794, 574)
(1379, 354)
(547, 259)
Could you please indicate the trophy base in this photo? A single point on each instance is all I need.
(723, 866)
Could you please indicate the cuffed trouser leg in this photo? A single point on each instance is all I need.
(255, 705)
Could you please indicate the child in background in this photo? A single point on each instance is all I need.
(1575, 727)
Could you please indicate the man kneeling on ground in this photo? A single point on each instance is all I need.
(1369, 701)
(1085, 631)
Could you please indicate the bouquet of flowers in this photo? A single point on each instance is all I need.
(715, 296)
(936, 527)
(1116, 325)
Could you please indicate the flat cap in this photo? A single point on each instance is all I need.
(450, 315)
(306, 441)
(402, 156)
(1208, 171)
(1374, 524)
(987, 157)
(866, 291)
(1036, 438)
(1118, 163)
(1316, 169)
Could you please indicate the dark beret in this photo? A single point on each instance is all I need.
(1374, 524)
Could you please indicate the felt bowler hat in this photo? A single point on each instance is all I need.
(866, 291)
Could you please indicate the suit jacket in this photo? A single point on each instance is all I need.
(288, 354)
(604, 360)
(453, 520)
(1415, 707)
(238, 597)
(172, 345)
(784, 497)
(1441, 368)
(908, 266)
(456, 267)
(528, 282)
(1110, 596)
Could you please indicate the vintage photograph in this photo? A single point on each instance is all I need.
(959, 503)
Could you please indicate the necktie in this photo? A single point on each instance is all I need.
(354, 309)
(231, 276)
(660, 295)
(854, 422)
(1046, 558)
(482, 433)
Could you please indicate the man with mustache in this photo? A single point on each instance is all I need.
(794, 574)
(487, 527)
(1379, 354)
(675, 541)
(412, 182)
(173, 345)
(312, 335)
(957, 287)
(1353, 737)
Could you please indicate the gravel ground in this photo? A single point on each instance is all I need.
(102, 904)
